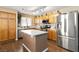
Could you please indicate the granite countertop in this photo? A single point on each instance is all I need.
(33, 32)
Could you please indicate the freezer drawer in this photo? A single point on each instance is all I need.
(67, 43)
(63, 42)
(72, 45)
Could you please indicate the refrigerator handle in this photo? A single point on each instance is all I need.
(58, 26)
(65, 25)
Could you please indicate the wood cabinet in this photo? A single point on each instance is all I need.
(52, 19)
(3, 26)
(7, 26)
(49, 34)
(4, 29)
(36, 21)
(0, 29)
(33, 21)
(52, 35)
(12, 26)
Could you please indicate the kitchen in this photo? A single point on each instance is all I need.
(38, 28)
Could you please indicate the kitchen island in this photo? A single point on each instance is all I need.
(34, 40)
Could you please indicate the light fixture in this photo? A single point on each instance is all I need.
(22, 8)
(58, 12)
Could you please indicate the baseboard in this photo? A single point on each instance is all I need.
(7, 41)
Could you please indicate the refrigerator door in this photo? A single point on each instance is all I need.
(72, 31)
(70, 25)
(61, 24)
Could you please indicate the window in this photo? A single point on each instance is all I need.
(26, 21)
(29, 22)
(23, 21)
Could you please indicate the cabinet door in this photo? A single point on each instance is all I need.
(4, 29)
(12, 26)
(3, 26)
(12, 29)
(33, 20)
(0, 29)
(54, 35)
(49, 34)
(52, 19)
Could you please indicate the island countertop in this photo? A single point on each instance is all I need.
(33, 32)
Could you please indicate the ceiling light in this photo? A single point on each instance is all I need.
(22, 9)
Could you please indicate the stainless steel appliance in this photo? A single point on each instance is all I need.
(68, 30)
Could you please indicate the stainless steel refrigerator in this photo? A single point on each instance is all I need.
(68, 30)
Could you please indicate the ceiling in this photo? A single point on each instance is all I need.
(34, 10)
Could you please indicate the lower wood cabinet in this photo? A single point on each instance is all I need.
(49, 34)
(52, 35)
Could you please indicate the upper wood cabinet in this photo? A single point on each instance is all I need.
(52, 19)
